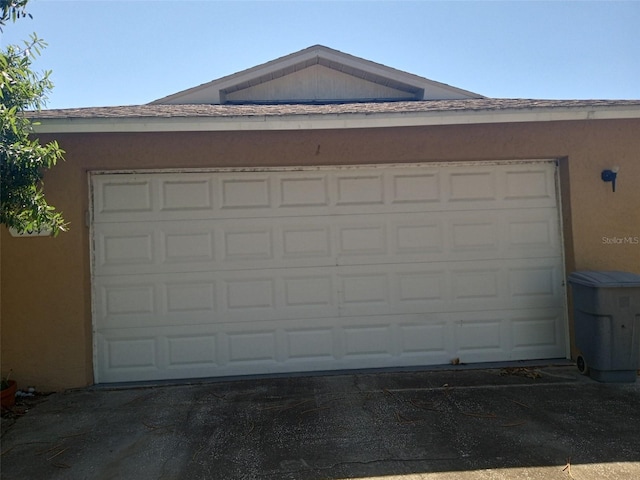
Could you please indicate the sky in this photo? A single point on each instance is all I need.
(107, 53)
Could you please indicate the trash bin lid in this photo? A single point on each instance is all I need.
(607, 279)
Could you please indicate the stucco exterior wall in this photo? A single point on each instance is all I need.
(46, 282)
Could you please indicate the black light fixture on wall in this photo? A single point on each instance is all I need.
(610, 176)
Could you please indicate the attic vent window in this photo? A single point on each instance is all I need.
(319, 82)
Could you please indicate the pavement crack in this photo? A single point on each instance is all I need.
(379, 460)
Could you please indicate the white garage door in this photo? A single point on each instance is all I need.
(247, 272)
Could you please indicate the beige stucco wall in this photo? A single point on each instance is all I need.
(45, 282)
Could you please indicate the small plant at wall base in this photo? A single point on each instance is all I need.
(23, 159)
(8, 390)
(4, 384)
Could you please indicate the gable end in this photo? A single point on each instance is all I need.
(317, 75)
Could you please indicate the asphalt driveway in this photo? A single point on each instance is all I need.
(522, 422)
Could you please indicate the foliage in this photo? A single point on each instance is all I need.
(12, 10)
(4, 383)
(22, 158)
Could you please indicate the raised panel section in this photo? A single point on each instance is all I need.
(535, 331)
(186, 195)
(471, 235)
(424, 338)
(359, 240)
(360, 190)
(527, 184)
(306, 241)
(479, 335)
(367, 340)
(308, 291)
(532, 281)
(530, 233)
(359, 289)
(125, 197)
(416, 188)
(249, 193)
(472, 186)
(126, 249)
(188, 247)
(190, 351)
(190, 297)
(247, 244)
(310, 343)
(419, 238)
(128, 299)
(252, 347)
(304, 192)
(250, 293)
(421, 286)
(475, 284)
(131, 353)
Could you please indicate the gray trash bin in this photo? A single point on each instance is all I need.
(606, 307)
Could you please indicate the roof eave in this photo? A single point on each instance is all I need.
(328, 121)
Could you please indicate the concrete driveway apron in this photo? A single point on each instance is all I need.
(503, 423)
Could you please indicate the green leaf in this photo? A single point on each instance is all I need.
(23, 159)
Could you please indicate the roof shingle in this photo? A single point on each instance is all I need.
(427, 106)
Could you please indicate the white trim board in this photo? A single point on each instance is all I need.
(329, 121)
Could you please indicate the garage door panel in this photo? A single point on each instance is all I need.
(245, 192)
(123, 247)
(531, 182)
(359, 189)
(128, 299)
(186, 195)
(191, 351)
(227, 273)
(335, 191)
(306, 240)
(474, 234)
(257, 295)
(308, 290)
(472, 185)
(533, 281)
(359, 342)
(198, 297)
(422, 339)
(368, 341)
(249, 294)
(249, 243)
(193, 247)
(305, 190)
(479, 337)
(477, 285)
(129, 353)
(362, 239)
(311, 344)
(252, 347)
(292, 242)
(120, 194)
(417, 236)
(538, 330)
(420, 187)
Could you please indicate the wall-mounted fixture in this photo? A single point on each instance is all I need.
(610, 176)
(30, 233)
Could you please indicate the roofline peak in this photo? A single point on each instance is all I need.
(214, 92)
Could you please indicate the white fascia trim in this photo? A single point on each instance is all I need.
(327, 121)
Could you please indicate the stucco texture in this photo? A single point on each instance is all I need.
(46, 282)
